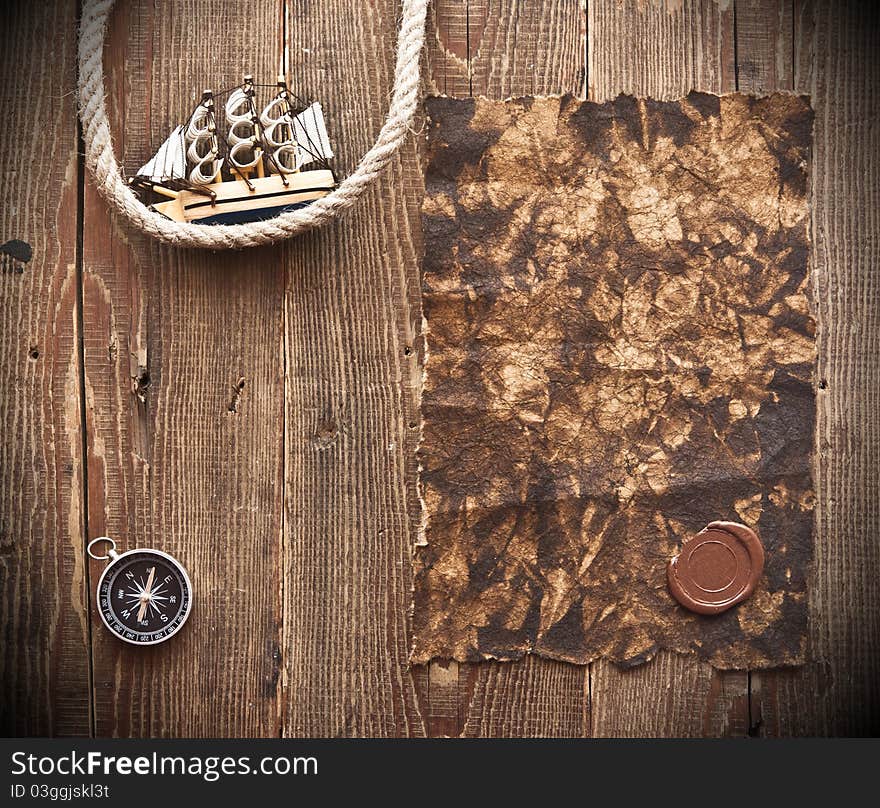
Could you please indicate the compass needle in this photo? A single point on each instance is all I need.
(144, 596)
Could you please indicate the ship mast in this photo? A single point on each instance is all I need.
(247, 137)
(261, 145)
(203, 148)
(297, 135)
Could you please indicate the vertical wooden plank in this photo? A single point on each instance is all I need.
(803, 44)
(516, 48)
(352, 320)
(44, 686)
(506, 48)
(838, 693)
(671, 696)
(525, 47)
(447, 38)
(44, 667)
(184, 394)
(664, 48)
(764, 46)
(670, 48)
(726, 34)
(533, 697)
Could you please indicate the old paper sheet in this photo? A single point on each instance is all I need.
(619, 350)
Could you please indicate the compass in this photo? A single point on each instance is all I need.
(144, 596)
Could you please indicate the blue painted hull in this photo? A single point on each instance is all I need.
(247, 216)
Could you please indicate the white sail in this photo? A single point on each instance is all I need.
(169, 162)
(296, 140)
(201, 147)
(242, 132)
(310, 134)
(200, 123)
(238, 107)
(276, 122)
(243, 155)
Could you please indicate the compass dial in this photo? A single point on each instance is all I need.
(144, 596)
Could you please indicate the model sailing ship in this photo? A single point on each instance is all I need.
(248, 167)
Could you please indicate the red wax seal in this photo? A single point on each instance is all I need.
(717, 568)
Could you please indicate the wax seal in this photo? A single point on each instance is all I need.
(717, 568)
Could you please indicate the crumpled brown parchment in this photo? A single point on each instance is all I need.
(619, 351)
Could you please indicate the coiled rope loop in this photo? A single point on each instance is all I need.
(102, 162)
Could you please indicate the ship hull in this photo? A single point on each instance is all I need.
(236, 203)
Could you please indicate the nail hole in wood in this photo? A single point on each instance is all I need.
(236, 395)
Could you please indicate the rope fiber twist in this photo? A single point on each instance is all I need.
(101, 160)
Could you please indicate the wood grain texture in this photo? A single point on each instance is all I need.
(352, 316)
(535, 697)
(674, 47)
(448, 48)
(670, 697)
(506, 48)
(525, 47)
(764, 46)
(837, 61)
(293, 497)
(184, 391)
(661, 48)
(44, 688)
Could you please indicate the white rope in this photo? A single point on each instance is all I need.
(102, 162)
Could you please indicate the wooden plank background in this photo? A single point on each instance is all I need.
(44, 623)
(256, 413)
